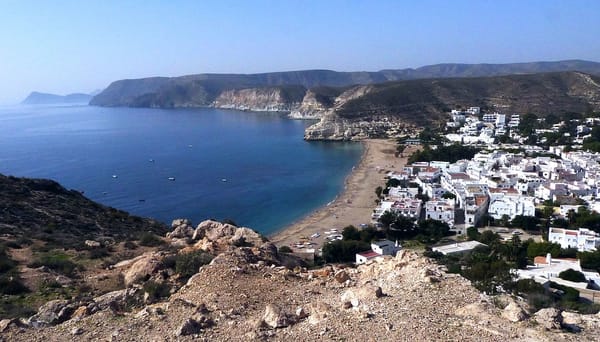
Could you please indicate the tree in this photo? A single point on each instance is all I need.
(448, 195)
(589, 260)
(542, 248)
(432, 230)
(285, 249)
(527, 123)
(488, 237)
(387, 218)
(572, 275)
(402, 228)
(378, 191)
(525, 222)
(350, 233)
(343, 251)
(473, 233)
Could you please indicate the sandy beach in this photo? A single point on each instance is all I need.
(356, 202)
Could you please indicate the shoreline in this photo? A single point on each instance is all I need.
(354, 204)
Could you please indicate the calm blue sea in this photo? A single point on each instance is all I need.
(253, 168)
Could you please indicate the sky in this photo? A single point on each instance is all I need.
(82, 46)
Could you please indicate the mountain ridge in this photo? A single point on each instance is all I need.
(166, 92)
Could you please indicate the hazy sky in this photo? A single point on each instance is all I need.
(79, 46)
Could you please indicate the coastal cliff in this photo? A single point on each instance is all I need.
(368, 109)
(272, 99)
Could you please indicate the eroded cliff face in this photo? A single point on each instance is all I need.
(336, 128)
(255, 99)
(332, 127)
(310, 108)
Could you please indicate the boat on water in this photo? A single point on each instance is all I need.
(151, 160)
(223, 179)
(171, 178)
(115, 176)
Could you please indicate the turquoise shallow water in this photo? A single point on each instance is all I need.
(253, 168)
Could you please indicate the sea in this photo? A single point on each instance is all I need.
(250, 167)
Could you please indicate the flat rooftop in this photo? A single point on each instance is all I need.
(459, 247)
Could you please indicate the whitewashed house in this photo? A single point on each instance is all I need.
(511, 206)
(583, 239)
(378, 249)
(441, 210)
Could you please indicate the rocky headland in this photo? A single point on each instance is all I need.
(372, 109)
(37, 98)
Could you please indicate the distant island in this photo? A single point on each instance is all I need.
(37, 98)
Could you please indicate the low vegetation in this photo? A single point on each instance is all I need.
(187, 264)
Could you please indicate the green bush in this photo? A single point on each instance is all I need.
(285, 249)
(148, 239)
(130, 245)
(12, 285)
(157, 290)
(56, 261)
(343, 251)
(99, 253)
(187, 264)
(529, 286)
(572, 275)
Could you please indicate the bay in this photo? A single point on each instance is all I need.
(252, 168)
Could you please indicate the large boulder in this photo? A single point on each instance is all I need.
(193, 325)
(341, 276)
(357, 296)
(224, 233)
(182, 228)
(549, 318)
(53, 312)
(143, 268)
(514, 313)
(115, 300)
(276, 317)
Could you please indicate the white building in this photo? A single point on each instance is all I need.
(378, 249)
(511, 206)
(407, 207)
(546, 269)
(441, 210)
(457, 248)
(583, 239)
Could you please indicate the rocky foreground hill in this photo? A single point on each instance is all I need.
(250, 291)
(42, 209)
(219, 282)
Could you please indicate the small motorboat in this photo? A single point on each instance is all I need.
(223, 179)
(115, 176)
(171, 178)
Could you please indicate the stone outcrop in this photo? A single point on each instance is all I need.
(181, 229)
(514, 313)
(226, 234)
(53, 312)
(276, 317)
(549, 318)
(144, 267)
